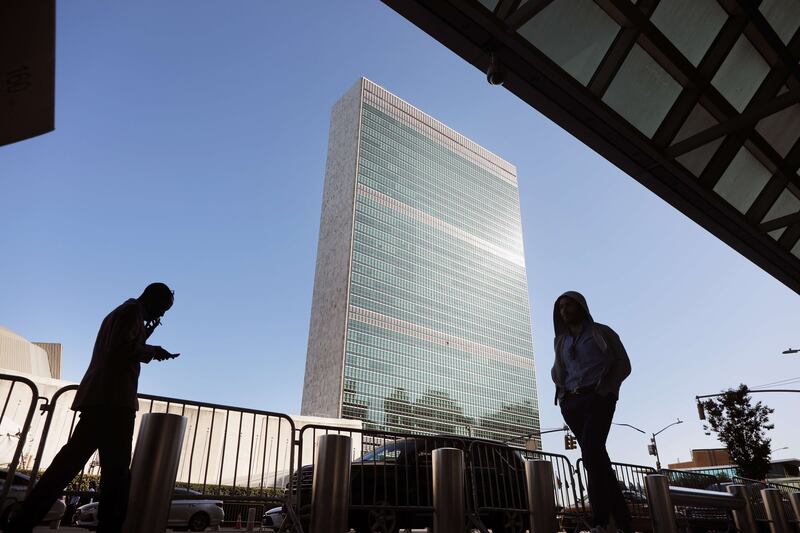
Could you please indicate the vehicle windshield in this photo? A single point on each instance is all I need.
(182, 491)
(388, 452)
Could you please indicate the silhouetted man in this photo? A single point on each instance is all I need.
(590, 365)
(107, 401)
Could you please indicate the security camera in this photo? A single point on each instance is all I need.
(496, 73)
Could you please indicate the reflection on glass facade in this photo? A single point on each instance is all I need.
(438, 328)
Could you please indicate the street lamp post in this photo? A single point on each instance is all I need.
(652, 449)
(790, 351)
(658, 459)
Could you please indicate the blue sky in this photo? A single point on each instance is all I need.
(190, 147)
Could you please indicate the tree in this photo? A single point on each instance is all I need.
(742, 428)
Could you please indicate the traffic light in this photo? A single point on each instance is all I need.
(569, 442)
(701, 412)
(651, 448)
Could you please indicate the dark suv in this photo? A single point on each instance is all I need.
(391, 486)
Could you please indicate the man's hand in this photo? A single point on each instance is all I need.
(162, 355)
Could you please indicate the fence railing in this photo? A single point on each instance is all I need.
(754, 488)
(19, 397)
(391, 479)
(391, 475)
(253, 458)
(227, 451)
(631, 479)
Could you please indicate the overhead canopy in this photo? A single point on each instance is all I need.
(27, 69)
(699, 100)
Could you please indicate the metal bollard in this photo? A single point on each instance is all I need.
(153, 473)
(448, 490)
(251, 518)
(795, 499)
(330, 491)
(774, 507)
(541, 496)
(662, 512)
(745, 518)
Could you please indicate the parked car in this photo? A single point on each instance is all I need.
(17, 494)
(391, 487)
(273, 518)
(634, 496)
(187, 511)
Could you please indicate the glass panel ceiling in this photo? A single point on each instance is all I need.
(698, 120)
(691, 25)
(642, 92)
(697, 160)
(781, 129)
(742, 181)
(786, 204)
(575, 34)
(741, 74)
(776, 234)
(783, 16)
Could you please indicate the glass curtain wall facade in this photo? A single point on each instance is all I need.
(437, 334)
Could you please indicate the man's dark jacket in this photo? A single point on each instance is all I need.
(617, 366)
(112, 379)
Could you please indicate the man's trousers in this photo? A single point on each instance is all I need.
(110, 432)
(589, 417)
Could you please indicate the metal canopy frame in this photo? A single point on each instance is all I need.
(477, 34)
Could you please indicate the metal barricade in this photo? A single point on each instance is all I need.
(496, 482)
(497, 485)
(19, 397)
(241, 457)
(631, 479)
(390, 481)
(664, 499)
(691, 480)
(786, 492)
(776, 513)
(702, 517)
(754, 488)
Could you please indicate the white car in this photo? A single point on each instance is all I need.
(17, 493)
(272, 519)
(184, 513)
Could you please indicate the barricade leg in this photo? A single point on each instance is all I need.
(330, 491)
(153, 473)
(774, 507)
(448, 490)
(745, 518)
(795, 499)
(541, 496)
(662, 512)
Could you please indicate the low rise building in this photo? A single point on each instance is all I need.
(223, 446)
(717, 462)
